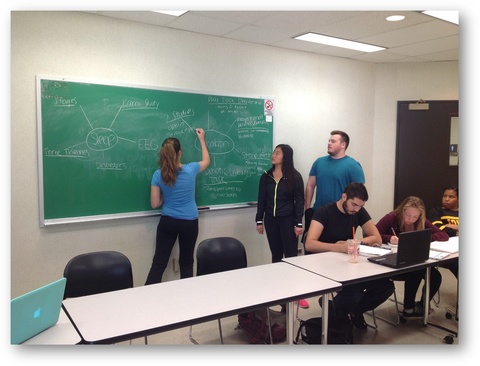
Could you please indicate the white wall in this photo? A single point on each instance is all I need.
(313, 94)
(400, 82)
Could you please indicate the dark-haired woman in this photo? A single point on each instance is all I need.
(280, 206)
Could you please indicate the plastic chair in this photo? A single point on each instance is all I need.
(397, 311)
(452, 313)
(218, 255)
(98, 272)
(399, 318)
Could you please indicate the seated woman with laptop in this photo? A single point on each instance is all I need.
(410, 215)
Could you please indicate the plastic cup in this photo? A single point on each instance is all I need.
(353, 249)
(393, 247)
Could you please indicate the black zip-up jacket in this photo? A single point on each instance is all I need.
(274, 200)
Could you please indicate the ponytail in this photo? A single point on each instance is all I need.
(168, 157)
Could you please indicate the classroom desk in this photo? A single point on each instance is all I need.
(62, 333)
(336, 267)
(121, 315)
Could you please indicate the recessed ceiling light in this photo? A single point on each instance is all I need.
(395, 18)
(448, 15)
(175, 13)
(338, 42)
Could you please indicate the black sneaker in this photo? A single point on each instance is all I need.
(417, 312)
(419, 304)
(359, 321)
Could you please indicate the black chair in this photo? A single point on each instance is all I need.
(399, 318)
(218, 255)
(97, 272)
(394, 299)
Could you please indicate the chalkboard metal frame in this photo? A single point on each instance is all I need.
(262, 163)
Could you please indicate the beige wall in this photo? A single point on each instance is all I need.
(314, 95)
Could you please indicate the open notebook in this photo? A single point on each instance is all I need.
(36, 311)
(450, 246)
(442, 249)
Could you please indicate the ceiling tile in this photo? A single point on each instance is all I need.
(418, 38)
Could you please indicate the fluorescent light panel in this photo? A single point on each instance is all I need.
(175, 13)
(338, 42)
(395, 18)
(448, 15)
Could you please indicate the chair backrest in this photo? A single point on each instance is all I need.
(220, 254)
(97, 272)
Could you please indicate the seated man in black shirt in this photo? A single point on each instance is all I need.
(332, 225)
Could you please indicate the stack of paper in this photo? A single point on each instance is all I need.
(367, 250)
(438, 255)
(450, 246)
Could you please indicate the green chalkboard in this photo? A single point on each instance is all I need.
(98, 146)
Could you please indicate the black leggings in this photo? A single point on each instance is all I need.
(168, 229)
(281, 237)
(412, 282)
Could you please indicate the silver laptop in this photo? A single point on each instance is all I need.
(413, 248)
(36, 311)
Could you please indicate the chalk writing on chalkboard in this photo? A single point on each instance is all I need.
(98, 146)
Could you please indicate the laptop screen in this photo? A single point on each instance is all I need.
(35, 311)
(413, 246)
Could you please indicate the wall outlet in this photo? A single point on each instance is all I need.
(175, 265)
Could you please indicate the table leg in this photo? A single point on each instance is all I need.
(426, 297)
(325, 318)
(290, 322)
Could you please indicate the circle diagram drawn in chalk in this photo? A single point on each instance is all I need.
(101, 139)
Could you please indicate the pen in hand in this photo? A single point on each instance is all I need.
(394, 236)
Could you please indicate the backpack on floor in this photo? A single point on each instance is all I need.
(340, 330)
(310, 332)
(255, 323)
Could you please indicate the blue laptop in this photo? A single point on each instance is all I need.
(36, 311)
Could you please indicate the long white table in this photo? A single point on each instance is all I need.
(336, 267)
(141, 311)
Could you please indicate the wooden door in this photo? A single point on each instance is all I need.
(422, 166)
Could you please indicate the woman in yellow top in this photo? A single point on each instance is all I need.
(446, 219)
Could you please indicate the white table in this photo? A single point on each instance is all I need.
(336, 267)
(62, 333)
(141, 311)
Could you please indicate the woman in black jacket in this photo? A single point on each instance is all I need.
(280, 206)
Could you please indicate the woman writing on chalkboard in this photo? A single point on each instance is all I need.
(173, 185)
(280, 206)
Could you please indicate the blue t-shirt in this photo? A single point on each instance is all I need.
(179, 199)
(332, 176)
